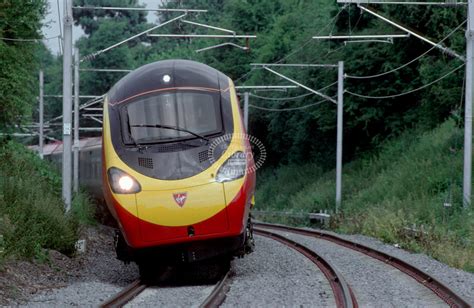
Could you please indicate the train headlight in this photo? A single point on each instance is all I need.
(122, 183)
(233, 168)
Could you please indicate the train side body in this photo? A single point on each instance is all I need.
(90, 163)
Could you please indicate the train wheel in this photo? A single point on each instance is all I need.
(249, 244)
(121, 248)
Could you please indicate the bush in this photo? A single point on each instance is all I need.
(31, 208)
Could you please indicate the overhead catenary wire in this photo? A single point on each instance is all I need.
(291, 97)
(28, 40)
(97, 53)
(247, 73)
(408, 92)
(89, 103)
(357, 22)
(462, 92)
(331, 22)
(298, 48)
(350, 26)
(414, 33)
(410, 62)
(60, 39)
(290, 108)
(115, 8)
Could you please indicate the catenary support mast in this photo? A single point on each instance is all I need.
(67, 106)
(467, 183)
(340, 110)
(76, 121)
(41, 113)
(246, 111)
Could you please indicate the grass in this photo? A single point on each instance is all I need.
(31, 209)
(405, 185)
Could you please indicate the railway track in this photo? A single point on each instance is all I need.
(341, 290)
(126, 295)
(215, 298)
(449, 296)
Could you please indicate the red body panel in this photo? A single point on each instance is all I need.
(236, 213)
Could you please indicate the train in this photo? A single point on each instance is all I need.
(173, 165)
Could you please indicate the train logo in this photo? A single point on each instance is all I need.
(180, 198)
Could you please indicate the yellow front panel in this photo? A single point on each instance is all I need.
(232, 189)
(128, 202)
(160, 207)
(155, 203)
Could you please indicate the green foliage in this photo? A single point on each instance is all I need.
(19, 19)
(369, 120)
(90, 20)
(284, 29)
(31, 207)
(82, 209)
(53, 82)
(405, 184)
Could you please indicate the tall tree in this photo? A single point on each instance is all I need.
(19, 20)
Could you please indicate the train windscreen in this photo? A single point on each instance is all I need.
(172, 116)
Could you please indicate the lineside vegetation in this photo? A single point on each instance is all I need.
(408, 193)
(31, 209)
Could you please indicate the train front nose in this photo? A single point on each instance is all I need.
(172, 214)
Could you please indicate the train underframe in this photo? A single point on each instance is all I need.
(218, 250)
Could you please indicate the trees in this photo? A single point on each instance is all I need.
(105, 28)
(18, 20)
(370, 121)
(284, 29)
(90, 20)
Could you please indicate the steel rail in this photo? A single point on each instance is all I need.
(218, 294)
(215, 299)
(126, 295)
(449, 296)
(342, 292)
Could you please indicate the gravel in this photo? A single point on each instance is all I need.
(86, 280)
(185, 296)
(367, 276)
(460, 281)
(274, 276)
(84, 294)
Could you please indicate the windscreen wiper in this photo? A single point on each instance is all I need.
(137, 145)
(180, 129)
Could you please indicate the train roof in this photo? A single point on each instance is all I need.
(167, 74)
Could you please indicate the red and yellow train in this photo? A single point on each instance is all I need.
(176, 166)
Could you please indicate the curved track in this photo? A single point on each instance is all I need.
(342, 292)
(126, 295)
(442, 291)
(215, 298)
